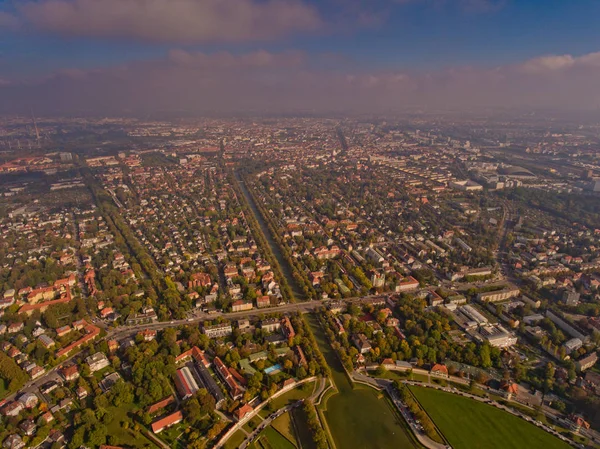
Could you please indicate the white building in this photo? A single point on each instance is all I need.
(97, 362)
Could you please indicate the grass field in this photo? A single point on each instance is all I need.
(3, 390)
(284, 426)
(469, 424)
(271, 439)
(300, 392)
(365, 419)
(419, 377)
(235, 440)
(359, 416)
(275, 439)
(391, 375)
(126, 437)
(252, 424)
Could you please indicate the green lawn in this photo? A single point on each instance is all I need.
(358, 416)
(252, 424)
(391, 375)
(363, 418)
(303, 433)
(469, 424)
(3, 390)
(419, 377)
(172, 436)
(272, 439)
(235, 440)
(300, 392)
(284, 426)
(125, 437)
(474, 391)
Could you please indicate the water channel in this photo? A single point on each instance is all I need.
(358, 416)
(286, 269)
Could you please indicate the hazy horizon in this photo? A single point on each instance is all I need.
(287, 56)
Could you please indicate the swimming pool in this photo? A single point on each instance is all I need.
(273, 368)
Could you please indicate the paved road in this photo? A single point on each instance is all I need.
(267, 422)
(302, 307)
(120, 332)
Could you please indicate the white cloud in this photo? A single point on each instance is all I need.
(474, 6)
(546, 64)
(291, 81)
(557, 63)
(182, 21)
(226, 60)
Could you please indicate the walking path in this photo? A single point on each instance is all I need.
(267, 422)
(237, 426)
(388, 386)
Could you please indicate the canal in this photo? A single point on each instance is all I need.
(286, 269)
(338, 374)
(358, 416)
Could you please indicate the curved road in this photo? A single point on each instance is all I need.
(388, 385)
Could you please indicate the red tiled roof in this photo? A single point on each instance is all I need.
(167, 421)
(242, 411)
(160, 404)
(237, 376)
(91, 333)
(437, 368)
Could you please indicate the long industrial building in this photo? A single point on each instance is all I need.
(497, 336)
(185, 383)
(499, 295)
(470, 312)
(211, 385)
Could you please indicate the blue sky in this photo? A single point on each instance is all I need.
(416, 34)
(42, 38)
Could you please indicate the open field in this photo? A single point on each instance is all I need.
(284, 426)
(252, 424)
(364, 418)
(3, 389)
(271, 439)
(469, 424)
(236, 439)
(276, 440)
(300, 392)
(126, 437)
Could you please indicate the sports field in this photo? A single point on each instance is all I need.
(469, 424)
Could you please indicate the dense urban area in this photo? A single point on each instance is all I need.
(423, 281)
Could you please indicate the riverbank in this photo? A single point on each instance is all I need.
(286, 269)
